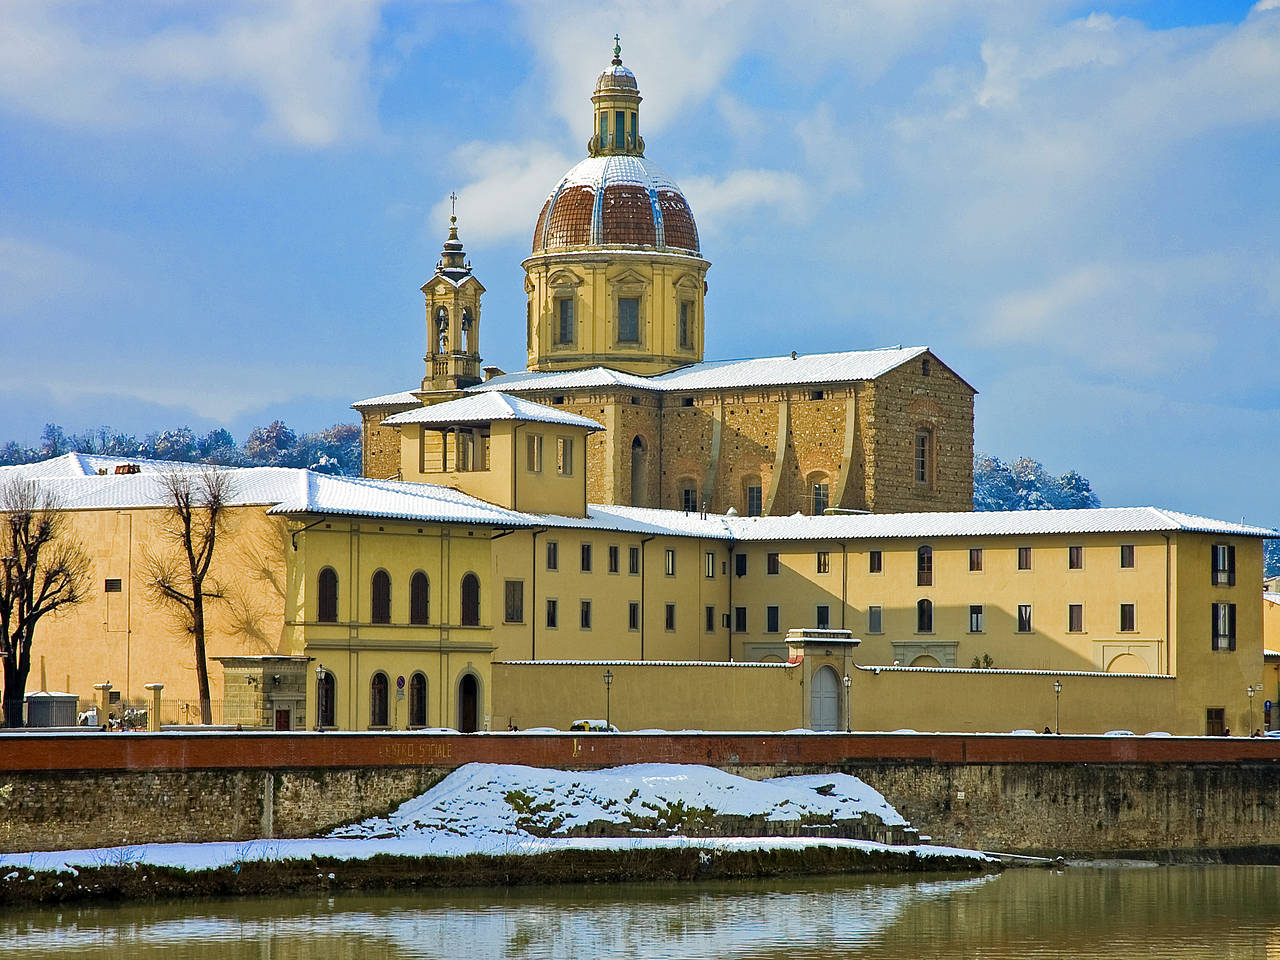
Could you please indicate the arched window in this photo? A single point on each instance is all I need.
(442, 331)
(471, 600)
(419, 599)
(924, 567)
(418, 700)
(327, 694)
(924, 616)
(378, 700)
(639, 473)
(327, 596)
(468, 331)
(380, 600)
(924, 457)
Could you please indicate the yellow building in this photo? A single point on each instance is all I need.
(616, 286)
(504, 596)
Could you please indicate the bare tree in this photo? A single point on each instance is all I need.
(180, 578)
(45, 570)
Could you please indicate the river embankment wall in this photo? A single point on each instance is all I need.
(1021, 794)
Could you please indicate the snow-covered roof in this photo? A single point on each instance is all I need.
(289, 490)
(403, 398)
(88, 465)
(1270, 597)
(487, 407)
(842, 367)
(985, 523)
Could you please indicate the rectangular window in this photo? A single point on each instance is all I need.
(1128, 621)
(740, 564)
(533, 447)
(633, 616)
(1024, 558)
(671, 617)
(689, 499)
(824, 561)
(514, 601)
(633, 560)
(740, 619)
(613, 558)
(1024, 618)
(604, 128)
(755, 500)
(1075, 618)
(685, 341)
(771, 565)
(1126, 555)
(821, 498)
(875, 619)
(922, 457)
(553, 555)
(669, 562)
(112, 585)
(586, 558)
(1075, 558)
(711, 565)
(553, 613)
(564, 456)
(619, 127)
(823, 618)
(975, 560)
(711, 619)
(1224, 565)
(584, 614)
(875, 562)
(975, 618)
(564, 329)
(1224, 626)
(771, 617)
(1215, 722)
(628, 319)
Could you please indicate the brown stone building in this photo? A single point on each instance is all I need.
(614, 332)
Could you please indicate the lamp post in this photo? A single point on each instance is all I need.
(848, 714)
(1057, 706)
(608, 682)
(320, 697)
(1250, 709)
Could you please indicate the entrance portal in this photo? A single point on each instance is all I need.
(468, 705)
(824, 700)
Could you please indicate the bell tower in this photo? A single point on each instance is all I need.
(453, 317)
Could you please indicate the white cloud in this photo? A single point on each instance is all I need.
(502, 184)
(720, 202)
(303, 66)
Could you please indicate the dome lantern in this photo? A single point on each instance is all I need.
(616, 103)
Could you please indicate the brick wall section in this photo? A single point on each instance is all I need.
(1016, 794)
(380, 446)
(902, 401)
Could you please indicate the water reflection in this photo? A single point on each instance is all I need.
(1168, 912)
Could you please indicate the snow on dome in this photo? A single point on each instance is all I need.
(618, 200)
(615, 77)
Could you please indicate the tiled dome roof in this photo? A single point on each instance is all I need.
(619, 200)
(616, 77)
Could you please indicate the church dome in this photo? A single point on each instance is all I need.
(616, 77)
(616, 200)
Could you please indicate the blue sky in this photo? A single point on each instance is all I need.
(220, 214)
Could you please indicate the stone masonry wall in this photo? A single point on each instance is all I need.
(380, 446)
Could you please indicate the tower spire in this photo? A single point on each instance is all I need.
(617, 51)
(453, 262)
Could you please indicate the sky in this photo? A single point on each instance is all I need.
(220, 214)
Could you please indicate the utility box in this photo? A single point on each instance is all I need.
(48, 708)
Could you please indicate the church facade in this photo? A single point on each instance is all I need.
(615, 321)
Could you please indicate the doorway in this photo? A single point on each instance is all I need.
(468, 704)
(824, 700)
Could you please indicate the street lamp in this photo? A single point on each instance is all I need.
(608, 682)
(320, 697)
(848, 718)
(1250, 709)
(1057, 706)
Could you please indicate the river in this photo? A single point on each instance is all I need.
(1080, 912)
